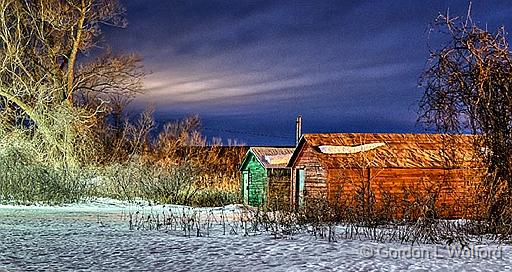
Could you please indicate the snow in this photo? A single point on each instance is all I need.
(277, 159)
(341, 149)
(107, 206)
(95, 236)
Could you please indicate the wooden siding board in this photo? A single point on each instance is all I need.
(315, 175)
(257, 180)
(453, 189)
(279, 191)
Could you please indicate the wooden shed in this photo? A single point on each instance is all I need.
(412, 174)
(265, 176)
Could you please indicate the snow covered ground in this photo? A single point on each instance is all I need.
(95, 236)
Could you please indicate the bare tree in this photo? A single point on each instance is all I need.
(41, 79)
(468, 88)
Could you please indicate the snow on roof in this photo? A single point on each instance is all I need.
(278, 159)
(336, 150)
(272, 157)
(343, 149)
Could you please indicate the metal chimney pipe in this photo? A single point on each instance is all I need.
(298, 129)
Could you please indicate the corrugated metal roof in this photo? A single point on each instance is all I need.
(346, 150)
(272, 157)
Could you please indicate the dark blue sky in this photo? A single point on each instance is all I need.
(249, 67)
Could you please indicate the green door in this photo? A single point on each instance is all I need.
(245, 187)
(300, 187)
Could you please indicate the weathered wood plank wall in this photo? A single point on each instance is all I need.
(447, 192)
(257, 182)
(316, 175)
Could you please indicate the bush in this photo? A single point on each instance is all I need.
(212, 197)
(176, 184)
(25, 181)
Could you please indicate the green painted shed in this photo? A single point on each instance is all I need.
(265, 176)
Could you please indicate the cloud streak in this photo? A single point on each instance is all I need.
(254, 65)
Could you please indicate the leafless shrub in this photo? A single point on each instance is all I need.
(467, 89)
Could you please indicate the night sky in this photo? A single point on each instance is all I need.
(248, 68)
